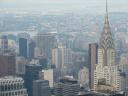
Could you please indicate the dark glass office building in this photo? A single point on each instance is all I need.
(23, 47)
(31, 74)
(31, 49)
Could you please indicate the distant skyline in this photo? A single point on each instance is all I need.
(46, 5)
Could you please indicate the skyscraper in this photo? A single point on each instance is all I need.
(31, 74)
(93, 56)
(62, 56)
(23, 44)
(107, 45)
(23, 51)
(62, 59)
(45, 43)
(12, 86)
(43, 62)
(31, 49)
(41, 88)
(7, 65)
(106, 68)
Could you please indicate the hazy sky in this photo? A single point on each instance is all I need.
(114, 5)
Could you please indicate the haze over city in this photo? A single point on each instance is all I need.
(63, 48)
(48, 5)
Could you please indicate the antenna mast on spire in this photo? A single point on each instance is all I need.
(106, 6)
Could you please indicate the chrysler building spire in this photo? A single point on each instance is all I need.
(106, 40)
(107, 7)
(106, 15)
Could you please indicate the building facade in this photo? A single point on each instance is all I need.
(41, 88)
(106, 67)
(93, 60)
(12, 86)
(23, 44)
(62, 59)
(7, 65)
(31, 73)
(31, 49)
(67, 87)
(48, 75)
(23, 47)
(45, 43)
(20, 65)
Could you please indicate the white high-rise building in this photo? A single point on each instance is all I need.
(12, 86)
(62, 57)
(106, 68)
(62, 60)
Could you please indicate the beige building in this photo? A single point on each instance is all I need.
(111, 75)
(48, 75)
(106, 67)
(105, 89)
(61, 57)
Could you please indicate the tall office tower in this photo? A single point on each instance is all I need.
(62, 57)
(41, 88)
(93, 60)
(7, 65)
(107, 45)
(12, 86)
(4, 43)
(23, 44)
(67, 86)
(23, 47)
(43, 62)
(45, 42)
(31, 49)
(106, 67)
(31, 73)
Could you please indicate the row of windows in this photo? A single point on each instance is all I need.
(17, 93)
(11, 87)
